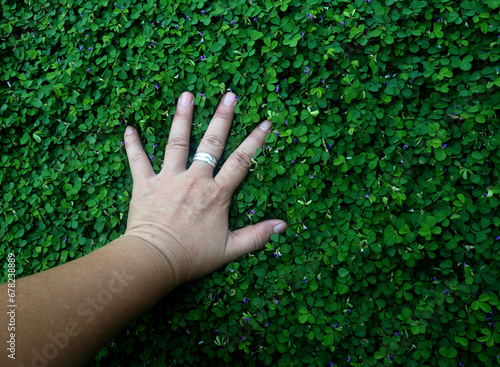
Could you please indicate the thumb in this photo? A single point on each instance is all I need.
(253, 237)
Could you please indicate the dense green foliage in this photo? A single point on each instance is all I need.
(384, 160)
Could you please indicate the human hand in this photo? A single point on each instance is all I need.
(184, 213)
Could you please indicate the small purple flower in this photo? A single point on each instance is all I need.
(162, 24)
(302, 34)
(211, 296)
(233, 22)
(462, 364)
(89, 70)
(247, 319)
(304, 280)
(278, 133)
(342, 23)
(152, 23)
(216, 331)
(286, 122)
(362, 252)
(328, 145)
(245, 300)
(90, 48)
(276, 301)
(440, 19)
(64, 239)
(367, 196)
(81, 48)
(295, 141)
(203, 57)
(349, 311)
(157, 86)
(492, 323)
(497, 238)
(121, 7)
(336, 326)
(151, 156)
(252, 211)
(86, 34)
(348, 358)
(187, 18)
(389, 357)
(446, 292)
(176, 27)
(295, 235)
(293, 162)
(405, 146)
(444, 145)
(397, 333)
(306, 71)
(255, 19)
(277, 88)
(155, 145)
(203, 12)
(202, 95)
(276, 255)
(242, 338)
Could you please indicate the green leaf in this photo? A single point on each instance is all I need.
(440, 154)
(343, 272)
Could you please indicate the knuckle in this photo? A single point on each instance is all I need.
(177, 142)
(137, 160)
(222, 114)
(215, 141)
(240, 160)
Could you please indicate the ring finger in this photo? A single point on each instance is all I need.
(214, 140)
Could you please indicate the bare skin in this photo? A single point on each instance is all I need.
(177, 231)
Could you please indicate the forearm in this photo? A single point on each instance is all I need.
(66, 314)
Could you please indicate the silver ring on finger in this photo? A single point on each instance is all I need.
(205, 157)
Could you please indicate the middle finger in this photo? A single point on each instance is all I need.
(214, 140)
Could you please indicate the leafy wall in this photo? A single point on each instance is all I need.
(384, 160)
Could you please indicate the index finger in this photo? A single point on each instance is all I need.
(236, 166)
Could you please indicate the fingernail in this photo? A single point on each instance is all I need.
(265, 126)
(230, 99)
(186, 99)
(129, 130)
(280, 228)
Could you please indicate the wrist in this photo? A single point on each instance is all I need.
(155, 247)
